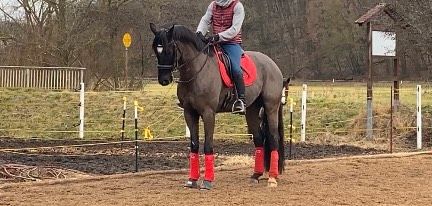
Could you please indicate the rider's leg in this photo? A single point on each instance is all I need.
(234, 52)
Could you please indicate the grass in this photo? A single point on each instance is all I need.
(335, 113)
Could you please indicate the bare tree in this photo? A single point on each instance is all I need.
(311, 39)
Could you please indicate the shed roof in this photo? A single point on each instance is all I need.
(379, 9)
(372, 13)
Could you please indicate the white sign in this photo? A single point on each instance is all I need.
(383, 43)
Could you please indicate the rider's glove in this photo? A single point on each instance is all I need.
(201, 36)
(214, 38)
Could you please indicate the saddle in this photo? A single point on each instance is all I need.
(246, 63)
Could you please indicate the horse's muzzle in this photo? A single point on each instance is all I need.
(164, 82)
(165, 75)
(165, 78)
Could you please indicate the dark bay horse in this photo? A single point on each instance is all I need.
(202, 93)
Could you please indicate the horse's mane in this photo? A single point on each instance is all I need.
(185, 35)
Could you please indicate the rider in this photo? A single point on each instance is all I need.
(226, 18)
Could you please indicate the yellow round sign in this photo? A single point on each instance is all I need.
(127, 40)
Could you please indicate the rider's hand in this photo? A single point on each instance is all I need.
(201, 36)
(214, 38)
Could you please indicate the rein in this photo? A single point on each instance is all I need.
(176, 67)
(196, 74)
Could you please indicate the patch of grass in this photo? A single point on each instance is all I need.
(335, 113)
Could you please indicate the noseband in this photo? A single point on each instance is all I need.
(171, 67)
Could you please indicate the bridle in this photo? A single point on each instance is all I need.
(171, 67)
(176, 67)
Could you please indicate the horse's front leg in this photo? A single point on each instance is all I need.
(192, 118)
(209, 123)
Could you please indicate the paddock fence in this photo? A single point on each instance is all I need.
(52, 78)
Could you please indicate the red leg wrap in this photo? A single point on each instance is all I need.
(194, 165)
(209, 168)
(259, 160)
(274, 169)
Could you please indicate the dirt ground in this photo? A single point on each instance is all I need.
(114, 159)
(101, 175)
(384, 181)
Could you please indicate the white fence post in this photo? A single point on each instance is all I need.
(303, 113)
(419, 117)
(81, 115)
(187, 134)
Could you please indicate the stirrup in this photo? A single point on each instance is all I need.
(239, 107)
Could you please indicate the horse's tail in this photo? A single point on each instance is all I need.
(281, 127)
(281, 140)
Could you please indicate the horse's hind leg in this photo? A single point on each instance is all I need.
(253, 121)
(272, 108)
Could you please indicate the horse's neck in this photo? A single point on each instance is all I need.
(195, 63)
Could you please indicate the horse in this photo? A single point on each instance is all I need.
(201, 93)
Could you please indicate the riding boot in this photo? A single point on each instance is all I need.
(239, 106)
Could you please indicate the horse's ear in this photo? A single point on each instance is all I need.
(286, 82)
(153, 28)
(170, 32)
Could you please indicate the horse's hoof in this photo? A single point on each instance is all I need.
(206, 185)
(271, 182)
(255, 178)
(265, 176)
(254, 181)
(191, 184)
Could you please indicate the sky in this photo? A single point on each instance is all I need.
(8, 6)
(8, 2)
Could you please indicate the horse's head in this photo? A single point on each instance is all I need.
(164, 48)
(176, 48)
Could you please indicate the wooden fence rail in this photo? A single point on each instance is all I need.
(41, 77)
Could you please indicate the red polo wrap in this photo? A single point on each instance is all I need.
(194, 165)
(274, 169)
(259, 160)
(209, 168)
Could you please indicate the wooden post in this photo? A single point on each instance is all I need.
(396, 84)
(369, 123)
(391, 119)
(127, 41)
(126, 68)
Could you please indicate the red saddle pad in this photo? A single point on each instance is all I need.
(248, 67)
